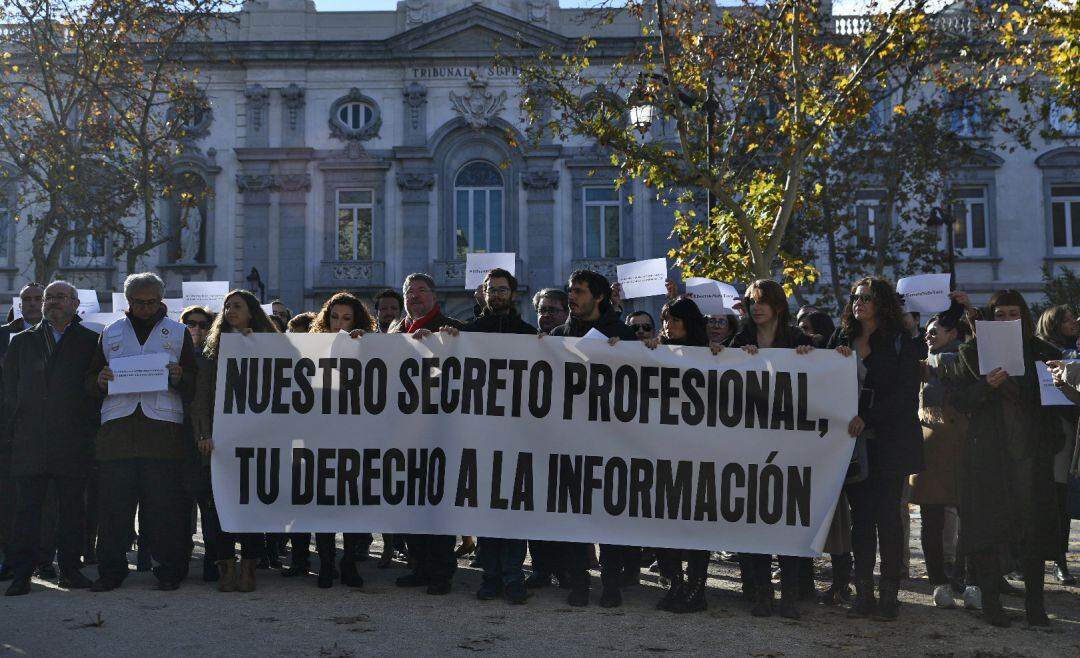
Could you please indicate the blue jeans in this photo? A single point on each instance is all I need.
(501, 560)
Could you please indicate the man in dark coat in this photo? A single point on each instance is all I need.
(590, 308)
(432, 555)
(30, 298)
(50, 423)
(500, 558)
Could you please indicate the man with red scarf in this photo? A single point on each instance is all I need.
(433, 555)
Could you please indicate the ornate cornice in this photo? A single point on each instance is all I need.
(540, 179)
(254, 182)
(415, 181)
(293, 182)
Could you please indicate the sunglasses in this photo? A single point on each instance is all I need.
(642, 327)
(205, 324)
(865, 299)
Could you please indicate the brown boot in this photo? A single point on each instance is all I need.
(246, 582)
(227, 573)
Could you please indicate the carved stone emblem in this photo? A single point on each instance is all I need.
(411, 180)
(415, 98)
(293, 99)
(479, 106)
(258, 97)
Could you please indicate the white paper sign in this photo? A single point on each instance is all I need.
(1001, 345)
(1051, 395)
(925, 293)
(478, 265)
(16, 306)
(119, 302)
(143, 373)
(645, 278)
(712, 297)
(174, 307)
(268, 309)
(210, 294)
(88, 302)
(98, 321)
(593, 334)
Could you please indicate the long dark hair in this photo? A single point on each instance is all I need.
(887, 302)
(260, 323)
(361, 317)
(693, 322)
(1049, 326)
(772, 293)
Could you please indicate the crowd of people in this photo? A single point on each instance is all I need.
(980, 456)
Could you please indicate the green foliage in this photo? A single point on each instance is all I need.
(1064, 288)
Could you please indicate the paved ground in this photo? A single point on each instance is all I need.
(291, 617)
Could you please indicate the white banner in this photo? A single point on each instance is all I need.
(514, 436)
(210, 294)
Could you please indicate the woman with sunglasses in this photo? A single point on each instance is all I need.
(342, 312)
(682, 323)
(197, 320)
(888, 369)
(1007, 480)
(241, 313)
(936, 488)
(770, 326)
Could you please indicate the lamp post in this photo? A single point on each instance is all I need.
(643, 113)
(255, 284)
(943, 217)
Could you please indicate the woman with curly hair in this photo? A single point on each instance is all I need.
(888, 368)
(241, 313)
(342, 312)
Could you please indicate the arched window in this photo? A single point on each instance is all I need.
(478, 209)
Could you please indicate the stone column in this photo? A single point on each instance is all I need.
(292, 253)
(256, 184)
(540, 187)
(415, 202)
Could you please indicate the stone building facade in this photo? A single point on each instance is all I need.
(345, 150)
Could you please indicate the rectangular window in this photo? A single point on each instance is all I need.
(86, 248)
(1065, 216)
(971, 233)
(603, 216)
(355, 216)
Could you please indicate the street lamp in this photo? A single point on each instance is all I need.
(943, 217)
(255, 284)
(643, 112)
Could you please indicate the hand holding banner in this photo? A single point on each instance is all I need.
(644, 278)
(1049, 394)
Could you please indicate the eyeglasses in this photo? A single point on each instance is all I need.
(549, 310)
(145, 303)
(204, 324)
(718, 322)
(501, 290)
(642, 327)
(863, 299)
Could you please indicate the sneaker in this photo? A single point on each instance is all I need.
(943, 597)
(972, 598)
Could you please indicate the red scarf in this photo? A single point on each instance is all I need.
(413, 325)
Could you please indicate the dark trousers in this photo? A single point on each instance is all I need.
(875, 521)
(211, 535)
(26, 535)
(933, 542)
(301, 548)
(434, 555)
(670, 560)
(251, 543)
(327, 546)
(156, 487)
(1062, 491)
(92, 508)
(615, 560)
(545, 557)
(501, 560)
(758, 569)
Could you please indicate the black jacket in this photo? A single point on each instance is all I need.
(488, 323)
(889, 401)
(748, 336)
(49, 420)
(610, 324)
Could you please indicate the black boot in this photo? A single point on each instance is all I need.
(350, 577)
(674, 593)
(865, 605)
(326, 571)
(210, 571)
(807, 590)
(889, 605)
(1034, 609)
(697, 576)
(988, 575)
(789, 603)
(840, 591)
(763, 600)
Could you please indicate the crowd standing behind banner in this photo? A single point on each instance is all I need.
(980, 446)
